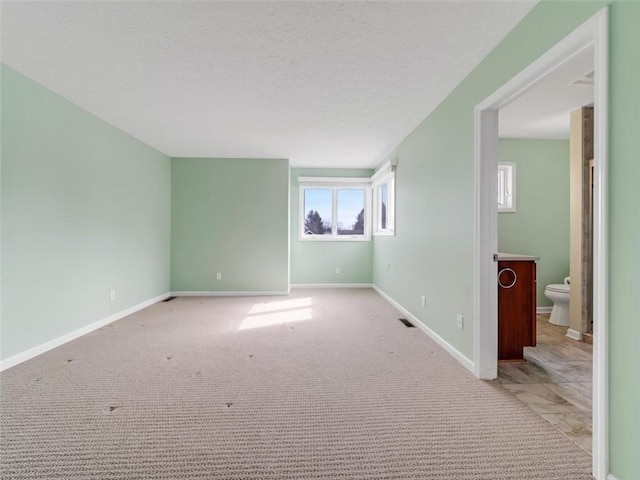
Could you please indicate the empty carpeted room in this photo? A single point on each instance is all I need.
(255, 240)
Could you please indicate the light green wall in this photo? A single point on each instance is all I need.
(432, 253)
(229, 216)
(540, 226)
(624, 238)
(85, 209)
(316, 262)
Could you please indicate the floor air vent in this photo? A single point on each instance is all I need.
(168, 299)
(407, 323)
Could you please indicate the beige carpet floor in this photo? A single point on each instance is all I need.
(324, 384)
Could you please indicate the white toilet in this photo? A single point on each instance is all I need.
(558, 293)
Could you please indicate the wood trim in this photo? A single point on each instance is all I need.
(574, 334)
(599, 24)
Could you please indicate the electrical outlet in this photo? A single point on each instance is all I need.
(112, 295)
(218, 276)
(460, 321)
(337, 270)
(423, 301)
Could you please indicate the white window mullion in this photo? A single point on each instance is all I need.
(368, 224)
(334, 213)
(391, 205)
(375, 217)
(301, 207)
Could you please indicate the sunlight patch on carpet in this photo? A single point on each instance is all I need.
(275, 318)
(294, 303)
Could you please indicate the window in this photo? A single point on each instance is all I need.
(334, 209)
(350, 211)
(384, 201)
(318, 202)
(506, 187)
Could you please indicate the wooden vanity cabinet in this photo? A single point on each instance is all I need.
(516, 308)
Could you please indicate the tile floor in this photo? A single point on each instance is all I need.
(555, 381)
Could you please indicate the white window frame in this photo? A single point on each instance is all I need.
(334, 184)
(386, 174)
(506, 190)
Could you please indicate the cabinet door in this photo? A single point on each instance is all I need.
(516, 308)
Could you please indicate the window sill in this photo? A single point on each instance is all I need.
(384, 234)
(331, 238)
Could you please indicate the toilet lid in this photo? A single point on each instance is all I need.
(558, 287)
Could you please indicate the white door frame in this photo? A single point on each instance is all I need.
(592, 33)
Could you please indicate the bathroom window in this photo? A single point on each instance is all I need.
(506, 187)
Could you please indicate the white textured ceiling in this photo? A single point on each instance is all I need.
(321, 83)
(543, 112)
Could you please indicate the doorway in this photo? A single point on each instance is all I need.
(591, 34)
(546, 136)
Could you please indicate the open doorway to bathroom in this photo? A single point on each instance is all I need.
(546, 136)
(589, 39)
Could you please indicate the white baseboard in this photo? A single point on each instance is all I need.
(574, 334)
(544, 310)
(332, 285)
(454, 352)
(56, 342)
(220, 293)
